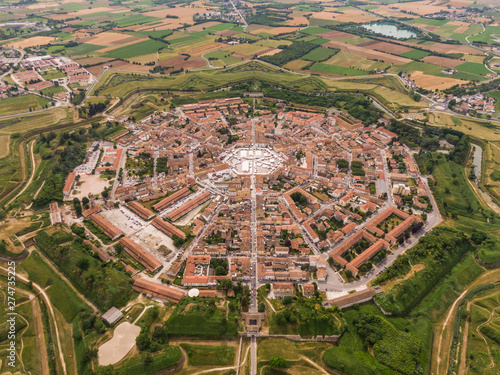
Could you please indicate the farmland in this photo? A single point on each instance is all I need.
(184, 89)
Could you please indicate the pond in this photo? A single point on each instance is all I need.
(389, 30)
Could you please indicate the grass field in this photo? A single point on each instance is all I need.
(24, 123)
(134, 19)
(351, 60)
(20, 104)
(473, 68)
(167, 357)
(340, 70)
(320, 54)
(415, 54)
(207, 355)
(483, 345)
(4, 145)
(137, 49)
(83, 49)
(200, 320)
(61, 295)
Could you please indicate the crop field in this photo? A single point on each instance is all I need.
(109, 38)
(351, 60)
(442, 61)
(491, 35)
(340, 70)
(394, 49)
(83, 49)
(320, 54)
(368, 53)
(473, 68)
(137, 49)
(134, 19)
(297, 64)
(31, 42)
(415, 54)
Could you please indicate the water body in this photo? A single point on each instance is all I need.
(389, 30)
(477, 159)
(381, 107)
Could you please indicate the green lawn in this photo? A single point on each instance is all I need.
(207, 355)
(52, 74)
(60, 293)
(202, 319)
(137, 49)
(325, 68)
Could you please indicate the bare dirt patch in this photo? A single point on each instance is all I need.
(419, 7)
(433, 82)
(122, 342)
(347, 15)
(269, 52)
(226, 33)
(179, 62)
(185, 14)
(442, 61)
(334, 35)
(119, 65)
(368, 53)
(90, 184)
(31, 42)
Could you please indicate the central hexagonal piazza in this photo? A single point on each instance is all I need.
(258, 159)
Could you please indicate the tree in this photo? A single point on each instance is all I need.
(225, 284)
(148, 359)
(3, 215)
(220, 271)
(262, 307)
(278, 362)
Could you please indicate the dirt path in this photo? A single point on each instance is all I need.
(463, 354)
(444, 331)
(33, 167)
(224, 368)
(478, 330)
(315, 365)
(51, 313)
(446, 325)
